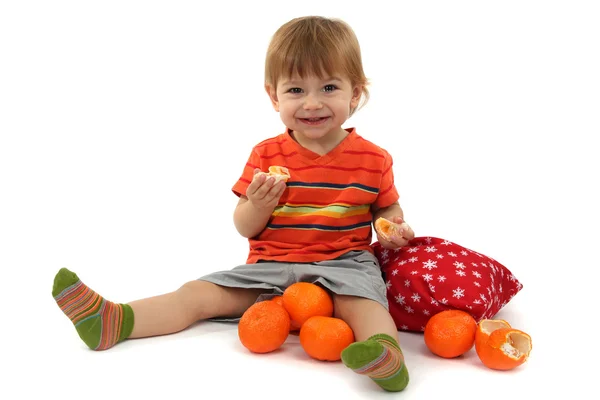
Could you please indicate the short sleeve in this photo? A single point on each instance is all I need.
(388, 194)
(239, 188)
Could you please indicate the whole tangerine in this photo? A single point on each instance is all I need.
(324, 338)
(293, 326)
(303, 300)
(450, 333)
(264, 327)
(278, 300)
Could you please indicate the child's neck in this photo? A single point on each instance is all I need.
(323, 145)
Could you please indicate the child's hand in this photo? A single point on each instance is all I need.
(402, 235)
(263, 192)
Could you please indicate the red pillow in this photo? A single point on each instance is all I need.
(431, 275)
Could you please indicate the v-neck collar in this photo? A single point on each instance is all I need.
(310, 157)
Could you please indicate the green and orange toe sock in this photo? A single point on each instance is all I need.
(381, 359)
(100, 323)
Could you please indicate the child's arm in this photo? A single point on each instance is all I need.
(249, 220)
(254, 210)
(393, 210)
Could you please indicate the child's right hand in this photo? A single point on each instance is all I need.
(263, 192)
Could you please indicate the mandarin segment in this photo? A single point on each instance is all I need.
(450, 333)
(278, 172)
(385, 228)
(264, 327)
(388, 229)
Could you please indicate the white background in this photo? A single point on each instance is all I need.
(110, 115)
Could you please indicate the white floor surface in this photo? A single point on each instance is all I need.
(111, 114)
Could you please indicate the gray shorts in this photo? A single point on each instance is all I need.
(355, 273)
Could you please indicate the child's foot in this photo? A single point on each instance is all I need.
(100, 323)
(381, 359)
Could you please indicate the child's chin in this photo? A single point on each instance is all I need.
(314, 132)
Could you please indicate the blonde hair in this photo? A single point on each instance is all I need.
(316, 46)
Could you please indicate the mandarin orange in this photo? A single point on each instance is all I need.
(277, 172)
(264, 327)
(293, 326)
(324, 338)
(450, 333)
(278, 300)
(303, 300)
(282, 172)
(386, 228)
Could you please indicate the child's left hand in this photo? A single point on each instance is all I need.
(401, 238)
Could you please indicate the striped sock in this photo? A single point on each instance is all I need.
(100, 323)
(381, 359)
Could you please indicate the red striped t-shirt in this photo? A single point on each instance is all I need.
(325, 210)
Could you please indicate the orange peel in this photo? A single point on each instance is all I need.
(501, 347)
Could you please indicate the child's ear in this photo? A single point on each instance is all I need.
(273, 96)
(357, 92)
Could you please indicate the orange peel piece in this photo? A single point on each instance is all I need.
(501, 347)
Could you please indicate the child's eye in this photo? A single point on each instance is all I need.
(295, 90)
(329, 88)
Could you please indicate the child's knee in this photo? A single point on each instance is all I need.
(343, 304)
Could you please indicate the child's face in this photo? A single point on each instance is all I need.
(314, 107)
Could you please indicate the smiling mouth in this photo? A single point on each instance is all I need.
(313, 121)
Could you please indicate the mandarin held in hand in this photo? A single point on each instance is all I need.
(264, 327)
(388, 229)
(277, 172)
(499, 346)
(450, 333)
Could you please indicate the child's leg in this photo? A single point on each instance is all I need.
(101, 323)
(194, 301)
(376, 352)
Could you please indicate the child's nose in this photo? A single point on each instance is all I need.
(312, 102)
